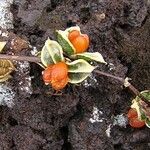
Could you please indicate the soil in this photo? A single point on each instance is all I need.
(43, 121)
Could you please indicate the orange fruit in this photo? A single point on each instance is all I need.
(81, 43)
(136, 123)
(59, 71)
(59, 76)
(58, 85)
(73, 34)
(47, 74)
(132, 113)
(87, 39)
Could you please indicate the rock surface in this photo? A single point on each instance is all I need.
(80, 117)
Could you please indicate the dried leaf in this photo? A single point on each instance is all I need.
(6, 67)
(2, 45)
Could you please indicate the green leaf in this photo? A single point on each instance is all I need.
(51, 53)
(79, 70)
(75, 78)
(142, 109)
(143, 116)
(96, 56)
(62, 38)
(146, 94)
(65, 43)
(81, 66)
(147, 123)
(55, 50)
(46, 59)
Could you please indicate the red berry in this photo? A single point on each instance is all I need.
(136, 123)
(132, 113)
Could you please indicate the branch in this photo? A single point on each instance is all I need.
(21, 58)
(131, 87)
(38, 60)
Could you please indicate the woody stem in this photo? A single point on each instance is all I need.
(38, 60)
(130, 87)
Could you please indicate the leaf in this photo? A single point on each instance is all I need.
(6, 67)
(45, 57)
(80, 65)
(5, 78)
(141, 107)
(2, 45)
(96, 56)
(147, 123)
(79, 70)
(75, 78)
(65, 43)
(146, 94)
(73, 28)
(51, 53)
(145, 108)
(55, 50)
(143, 116)
(62, 37)
(136, 106)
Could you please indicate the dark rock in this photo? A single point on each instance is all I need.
(119, 30)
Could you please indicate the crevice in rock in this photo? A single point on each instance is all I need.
(64, 133)
(12, 121)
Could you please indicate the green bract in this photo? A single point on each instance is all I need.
(147, 123)
(62, 37)
(141, 107)
(78, 67)
(51, 53)
(96, 56)
(75, 78)
(79, 70)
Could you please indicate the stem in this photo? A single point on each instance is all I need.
(109, 75)
(131, 87)
(21, 58)
(38, 60)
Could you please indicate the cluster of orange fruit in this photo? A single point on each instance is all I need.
(57, 74)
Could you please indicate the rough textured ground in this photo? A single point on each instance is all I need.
(40, 121)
